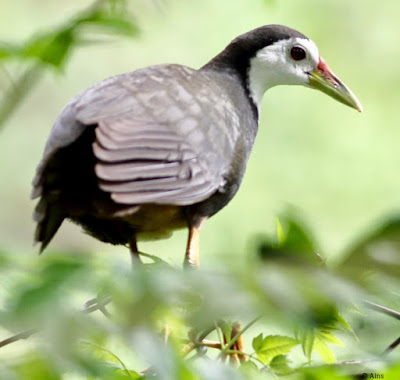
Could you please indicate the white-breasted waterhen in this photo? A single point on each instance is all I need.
(166, 147)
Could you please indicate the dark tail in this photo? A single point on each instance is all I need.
(49, 218)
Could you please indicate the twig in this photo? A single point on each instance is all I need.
(211, 344)
(382, 309)
(15, 338)
(393, 346)
(187, 349)
(192, 345)
(94, 304)
(88, 307)
(391, 313)
(205, 343)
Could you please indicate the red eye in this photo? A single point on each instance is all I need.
(297, 53)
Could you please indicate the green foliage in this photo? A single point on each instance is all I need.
(109, 360)
(53, 47)
(280, 365)
(35, 366)
(121, 338)
(49, 48)
(318, 337)
(378, 249)
(44, 287)
(296, 243)
(272, 346)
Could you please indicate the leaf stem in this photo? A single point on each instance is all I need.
(18, 91)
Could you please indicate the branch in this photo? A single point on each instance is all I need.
(94, 304)
(88, 307)
(393, 346)
(391, 313)
(15, 338)
(382, 309)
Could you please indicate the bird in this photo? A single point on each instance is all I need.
(141, 154)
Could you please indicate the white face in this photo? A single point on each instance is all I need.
(285, 62)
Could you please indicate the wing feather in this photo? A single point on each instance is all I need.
(141, 162)
(181, 196)
(145, 154)
(115, 142)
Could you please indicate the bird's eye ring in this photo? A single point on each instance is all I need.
(298, 53)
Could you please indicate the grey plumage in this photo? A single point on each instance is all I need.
(164, 135)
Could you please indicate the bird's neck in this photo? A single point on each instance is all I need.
(237, 68)
(259, 79)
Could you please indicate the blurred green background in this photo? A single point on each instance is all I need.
(337, 169)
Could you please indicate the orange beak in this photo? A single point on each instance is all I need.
(323, 79)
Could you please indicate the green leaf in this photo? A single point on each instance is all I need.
(298, 239)
(324, 351)
(343, 323)
(257, 342)
(50, 48)
(109, 358)
(274, 345)
(279, 232)
(322, 373)
(118, 24)
(36, 366)
(393, 372)
(249, 366)
(249, 369)
(45, 287)
(7, 51)
(307, 342)
(293, 240)
(378, 250)
(337, 323)
(328, 338)
(53, 47)
(280, 365)
(184, 371)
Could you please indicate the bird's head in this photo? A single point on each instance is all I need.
(296, 61)
(277, 55)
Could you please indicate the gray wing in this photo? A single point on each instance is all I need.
(162, 135)
(141, 162)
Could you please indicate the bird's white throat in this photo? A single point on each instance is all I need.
(273, 65)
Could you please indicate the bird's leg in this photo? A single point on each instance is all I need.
(133, 250)
(192, 259)
(192, 249)
(238, 345)
(235, 358)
